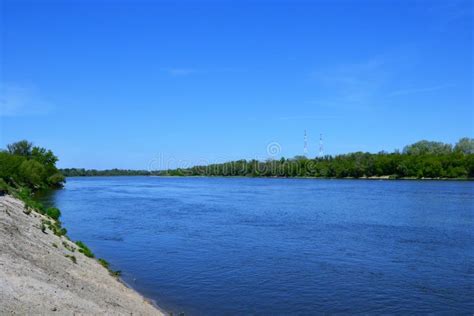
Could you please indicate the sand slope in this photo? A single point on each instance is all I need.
(37, 278)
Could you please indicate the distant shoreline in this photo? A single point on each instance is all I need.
(423, 160)
(390, 178)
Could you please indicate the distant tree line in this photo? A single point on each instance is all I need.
(80, 172)
(424, 159)
(23, 165)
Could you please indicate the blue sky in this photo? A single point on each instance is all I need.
(153, 84)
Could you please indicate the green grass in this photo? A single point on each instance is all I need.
(106, 265)
(25, 195)
(58, 230)
(103, 263)
(84, 249)
(4, 186)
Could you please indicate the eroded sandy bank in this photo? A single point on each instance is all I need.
(36, 277)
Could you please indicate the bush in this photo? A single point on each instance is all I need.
(30, 204)
(84, 249)
(59, 231)
(53, 212)
(104, 263)
(24, 194)
(4, 186)
(56, 180)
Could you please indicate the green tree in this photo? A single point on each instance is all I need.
(465, 145)
(44, 156)
(33, 174)
(427, 147)
(23, 165)
(21, 148)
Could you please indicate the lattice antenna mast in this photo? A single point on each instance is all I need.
(321, 145)
(305, 149)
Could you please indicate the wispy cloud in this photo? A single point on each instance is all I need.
(448, 12)
(351, 85)
(176, 72)
(322, 117)
(372, 83)
(16, 100)
(187, 71)
(418, 90)
(308, 117)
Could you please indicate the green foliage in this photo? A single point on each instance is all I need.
(465, 145)
(23, 165)
(4, 186)
(44, 156)
(53, 212)
(56, 180)
(47, 222)
(32, 174)
(425, 147)
(25, 195)
(103, 263)
(423, 159)
(24, 170)
(9, 167)
(106, 265)
(55, 227)
(79, 172)
(84, 249)
(21, 148)
(59, 231)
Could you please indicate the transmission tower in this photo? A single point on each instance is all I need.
(305, 149)
(320, 145)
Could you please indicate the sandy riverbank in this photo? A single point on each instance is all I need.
(36, 277)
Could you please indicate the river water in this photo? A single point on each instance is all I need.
(226, 246)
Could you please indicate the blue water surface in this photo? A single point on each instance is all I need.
(250, 246)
